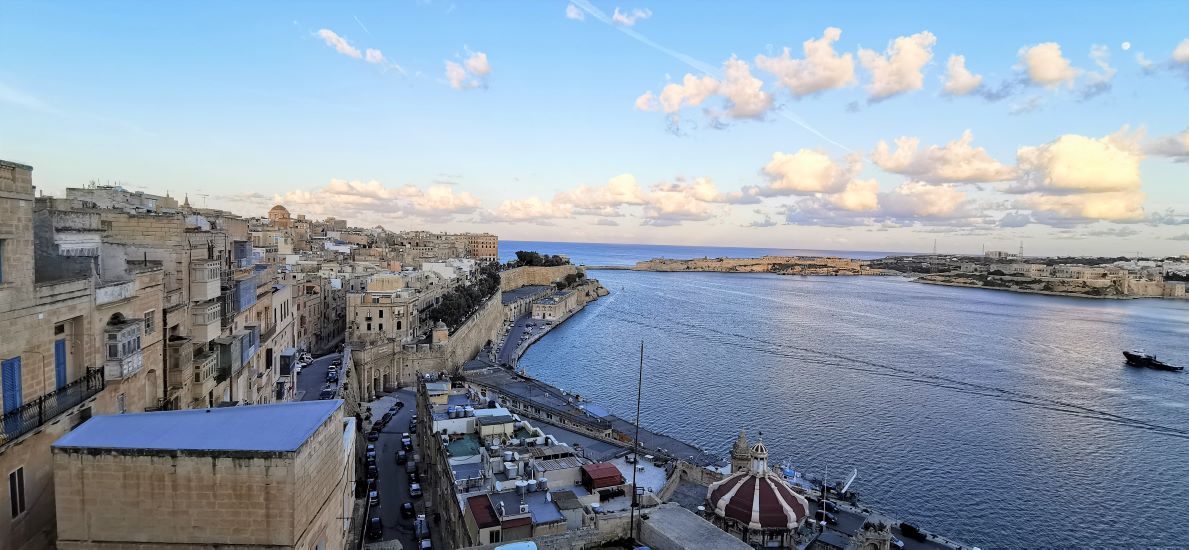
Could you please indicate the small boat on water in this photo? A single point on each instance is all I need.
(1137, 358)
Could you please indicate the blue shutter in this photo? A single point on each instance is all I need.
(10, 371)
(60, 361)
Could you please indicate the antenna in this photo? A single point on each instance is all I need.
(934, 247)
(1021, 249)
(636, 444)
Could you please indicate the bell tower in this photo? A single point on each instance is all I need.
(740, 454)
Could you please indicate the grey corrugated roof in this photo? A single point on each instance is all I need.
(281, 427)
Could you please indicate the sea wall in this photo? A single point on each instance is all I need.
(515, 278)
(466, 342)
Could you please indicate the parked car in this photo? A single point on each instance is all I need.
(407, 511)
(414, 478)
(371, 448)
(297, 369)
(373, 436)
(373, 498)
(415, 490)
(413, 429)
(332, 377)
(896, 542)
(407, 443)
(336, 363)
(326, 393)
(373, 471)
(421, 527)
(402, 457)
(375, 528)
(425, 544)
(913, 532)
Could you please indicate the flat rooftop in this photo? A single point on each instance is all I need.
(282, 427)
(522, 292)
(542, 509)
(468, 445)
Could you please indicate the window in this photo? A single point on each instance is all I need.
(398, 325)
(381, 327)
(10, 377)
(150, 322)
(381, 314)
(16, 491)
(120, 407)
(369, 327)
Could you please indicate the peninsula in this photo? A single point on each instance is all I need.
(781, 265)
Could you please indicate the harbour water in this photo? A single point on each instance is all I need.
(1000, 419)
(628, 254)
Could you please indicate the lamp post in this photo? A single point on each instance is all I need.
(636, 492)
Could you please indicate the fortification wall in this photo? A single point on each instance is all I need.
(515, 278)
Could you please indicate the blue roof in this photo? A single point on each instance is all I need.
(282, 427)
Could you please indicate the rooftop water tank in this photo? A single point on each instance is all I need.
(543, 484)
(532, 485)
(507, 456)
(521, 486)
(510, 469)
(470, 410)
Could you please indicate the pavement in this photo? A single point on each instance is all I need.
(393, 484)
(512, 339)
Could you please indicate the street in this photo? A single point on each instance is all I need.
(313, 377)
(508, 349)
(393, 484)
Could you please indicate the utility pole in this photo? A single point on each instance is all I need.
(636, 445)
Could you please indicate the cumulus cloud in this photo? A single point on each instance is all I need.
(629, 19)
(958, 79)
(339, 43)
(1015, 219)
(374, 56)
(915, 200)
(807, 171)
(470, 74)
(575, 13)
(1077, 179)
(956, 161)
(607, 222)
(705, 190)
(1080, 164)
(743, 94)
(857, 196)
(672, 208)
(822, 68)
(604, 200)
(1175, 146)
(898, 69)
(1181, 53)
(532, 210)
(372, 199)
(1046, 66)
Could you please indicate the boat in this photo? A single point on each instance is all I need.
(1137, 358)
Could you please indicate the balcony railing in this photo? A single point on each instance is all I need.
(45, 408)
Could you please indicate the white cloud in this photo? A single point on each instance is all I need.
(1080, 164)
(958, 79)
(1125, 46)
(1046, 66)
(1144, 63)
(1181, 53)
(857, 196)
(704, 189)
(470, 74)
(1121, 206)
(621, 190)
(531, 209)
(821, 68)
(575, 13)
(913, 200)
(371, 199)
(672, 208)
(339, 43)
(807, 171)
(374, 56)
(742, 93)
(629, 19)
(1077, 179)
(956, 161)
(898, 69)
(1175, 146)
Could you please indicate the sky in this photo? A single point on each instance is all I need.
(1063, 127)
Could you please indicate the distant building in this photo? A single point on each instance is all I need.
(555, 306)
(265, 476)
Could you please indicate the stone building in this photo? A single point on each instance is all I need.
(50, 369)
(265, 476)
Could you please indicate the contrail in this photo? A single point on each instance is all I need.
(369, 33)
(696, 64)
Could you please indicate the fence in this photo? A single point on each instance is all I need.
(45, 408)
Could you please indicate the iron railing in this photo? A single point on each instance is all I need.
(45, 408)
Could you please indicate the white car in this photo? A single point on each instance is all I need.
(297, 369)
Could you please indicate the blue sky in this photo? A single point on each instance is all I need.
(546, 134)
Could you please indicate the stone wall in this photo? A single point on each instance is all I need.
(515, 278)
(466, 342)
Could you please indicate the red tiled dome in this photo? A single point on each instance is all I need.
(757, 497)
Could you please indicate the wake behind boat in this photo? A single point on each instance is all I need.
(1137, 358)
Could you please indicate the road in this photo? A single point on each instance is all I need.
(851, 521)
(508, 349)
(313, 377)
(393, 484)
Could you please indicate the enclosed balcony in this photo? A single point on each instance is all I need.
(204, 280)
(121, 339)
(179, 356)
(206, 322)
(206, 364)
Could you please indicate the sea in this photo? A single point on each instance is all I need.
(999, 419)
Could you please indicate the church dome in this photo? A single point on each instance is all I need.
(756, 498)
(278, 209)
